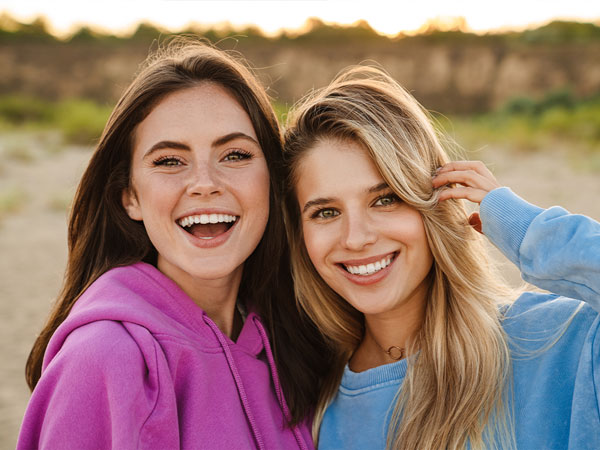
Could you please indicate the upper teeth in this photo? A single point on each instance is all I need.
(371, 268)
(206, 218)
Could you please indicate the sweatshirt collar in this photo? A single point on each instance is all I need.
(371, 378)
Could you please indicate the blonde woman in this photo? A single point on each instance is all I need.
(433, 351)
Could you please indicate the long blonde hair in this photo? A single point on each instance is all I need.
(456, 390)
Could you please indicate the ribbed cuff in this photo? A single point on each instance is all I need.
(505, 218)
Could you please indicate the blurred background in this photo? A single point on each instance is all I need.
(516, 84)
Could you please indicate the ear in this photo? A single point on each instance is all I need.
(475, 222)
(131, 204)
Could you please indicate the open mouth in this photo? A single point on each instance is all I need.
(207, 226)
(371, 268)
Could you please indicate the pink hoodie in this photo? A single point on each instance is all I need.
(138, 365)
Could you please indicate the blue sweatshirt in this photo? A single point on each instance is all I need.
(555, 399)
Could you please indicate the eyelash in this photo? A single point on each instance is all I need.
(244, 154)
(166, 160)
(389, 195)
(318, 214)
(169, 160)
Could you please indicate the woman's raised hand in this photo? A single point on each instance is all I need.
(473, 177)
(470, 180)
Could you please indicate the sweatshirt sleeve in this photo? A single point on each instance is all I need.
(94, 393)
(554, 250)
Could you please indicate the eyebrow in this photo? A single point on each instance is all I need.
(326, 200)
(378, 188)
(216, 143)
(317, 202)
(232, 136)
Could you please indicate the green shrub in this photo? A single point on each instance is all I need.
(81, 121)
(17, 110)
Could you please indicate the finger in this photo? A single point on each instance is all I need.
(466, 178)
(463, 193)
(477, 166)
(475, 222)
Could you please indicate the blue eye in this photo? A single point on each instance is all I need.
(387, 200)
(168, 161)
(237, 155)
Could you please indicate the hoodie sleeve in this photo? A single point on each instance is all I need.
(98, 391)
(553, 249)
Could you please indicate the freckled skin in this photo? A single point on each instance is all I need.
(170, 182)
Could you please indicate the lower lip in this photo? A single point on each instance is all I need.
(365, 280)
(213, 242)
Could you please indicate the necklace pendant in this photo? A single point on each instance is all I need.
(396, 353)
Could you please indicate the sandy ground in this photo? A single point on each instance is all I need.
(33, 237)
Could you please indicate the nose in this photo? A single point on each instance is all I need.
(204, 180)
(357, 231)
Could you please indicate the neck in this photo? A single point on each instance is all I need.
(391, 329)
(217, 298)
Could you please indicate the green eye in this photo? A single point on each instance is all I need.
(386, 200)
(327, 213)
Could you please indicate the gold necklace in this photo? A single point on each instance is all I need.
(394, 352)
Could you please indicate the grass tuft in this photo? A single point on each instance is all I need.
(525, 124)
(11, 201)
(79, 121)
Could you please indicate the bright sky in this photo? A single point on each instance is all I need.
(386, 16)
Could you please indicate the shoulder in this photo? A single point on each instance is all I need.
(537, 312)
(136, 280)
(98, 391)
(101, 366)
(101, 349)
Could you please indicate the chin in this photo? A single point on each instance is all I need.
(214, 273)
(366, 307)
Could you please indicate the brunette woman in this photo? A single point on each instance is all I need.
(177, 277)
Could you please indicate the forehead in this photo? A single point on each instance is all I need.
(205, 111)
(335, 167)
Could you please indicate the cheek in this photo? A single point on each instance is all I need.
(317, 243)
(410, 230)
(256, 191)
(417, 235)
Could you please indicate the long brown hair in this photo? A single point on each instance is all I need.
(455, 391)
(101, 235)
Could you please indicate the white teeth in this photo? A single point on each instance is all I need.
(206, 218)
(370, 268)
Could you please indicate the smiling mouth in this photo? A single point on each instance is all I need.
(207, 226)
(371, 268)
